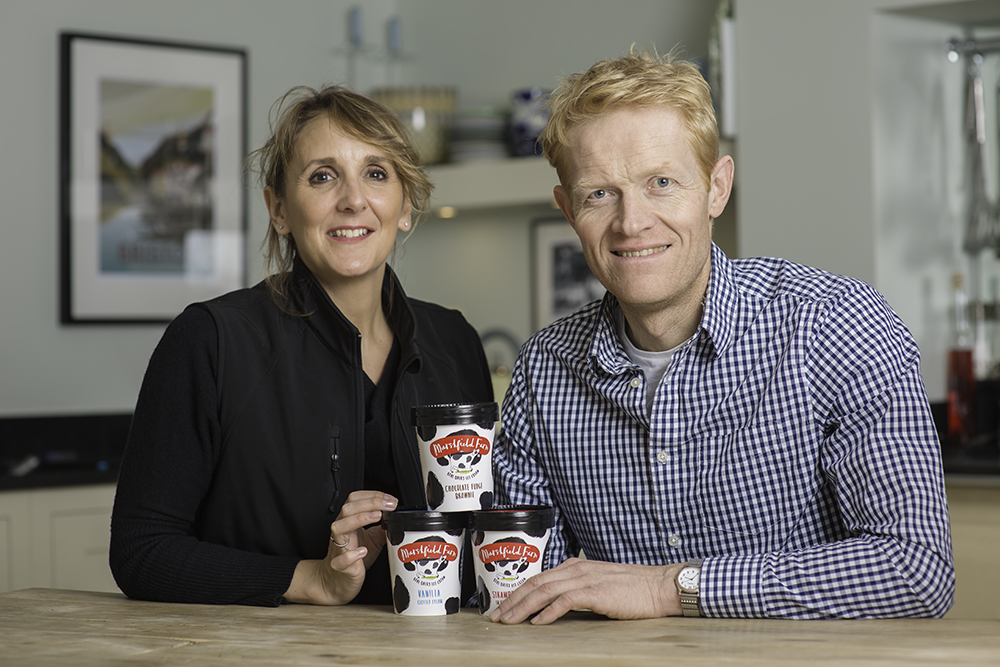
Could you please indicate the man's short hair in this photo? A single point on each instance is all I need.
(637, 80)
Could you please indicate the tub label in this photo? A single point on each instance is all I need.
(460, 444)
(509, 551)
(427, 551)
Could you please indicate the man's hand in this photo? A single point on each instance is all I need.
(611, 589)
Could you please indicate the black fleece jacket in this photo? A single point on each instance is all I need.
(227, 480)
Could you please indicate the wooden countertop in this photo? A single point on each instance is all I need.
(54, 627)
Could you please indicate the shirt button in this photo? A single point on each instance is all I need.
(662, 456)
(673, 540)
(635, 382)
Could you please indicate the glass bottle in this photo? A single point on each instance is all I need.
(961, 372)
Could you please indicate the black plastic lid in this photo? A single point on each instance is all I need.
(529, 518)
(454, 413)
(424, 520)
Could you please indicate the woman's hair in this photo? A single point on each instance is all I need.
(638, 80)
(359, 116)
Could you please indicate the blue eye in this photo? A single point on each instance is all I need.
(598, 194)
(662, 182)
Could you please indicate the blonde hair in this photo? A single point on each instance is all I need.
(638, 80)
(361, 117)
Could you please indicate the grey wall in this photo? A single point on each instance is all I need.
(46, 367)
(485, 48)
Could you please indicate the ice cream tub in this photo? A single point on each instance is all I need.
(509, 546)
(425, 559)
(456, 454)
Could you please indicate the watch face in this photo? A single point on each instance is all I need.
(689, 577)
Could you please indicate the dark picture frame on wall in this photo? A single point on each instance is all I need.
(152, 200)
(561, 280)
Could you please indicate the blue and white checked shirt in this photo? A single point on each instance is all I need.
(790, 445)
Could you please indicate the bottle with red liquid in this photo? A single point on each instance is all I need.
(961, 371)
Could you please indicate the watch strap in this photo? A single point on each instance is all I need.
(691, 600)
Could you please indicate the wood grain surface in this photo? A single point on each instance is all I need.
(53, 627)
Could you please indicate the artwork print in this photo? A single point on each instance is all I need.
(152, 138)
(156, 178)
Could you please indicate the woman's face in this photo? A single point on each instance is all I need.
(343, 204)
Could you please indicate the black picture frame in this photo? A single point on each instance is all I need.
(561, 281)
(152, 200)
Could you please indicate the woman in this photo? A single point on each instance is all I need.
(272, 428)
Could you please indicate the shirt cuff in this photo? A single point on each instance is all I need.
(730, 586)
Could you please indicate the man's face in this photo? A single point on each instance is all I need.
(641, 206)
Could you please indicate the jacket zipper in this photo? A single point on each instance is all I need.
(335, 464)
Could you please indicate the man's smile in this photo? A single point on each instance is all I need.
(640, 253)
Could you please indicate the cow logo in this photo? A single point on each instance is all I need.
(427, 559)
(461, 452)
(507, 559)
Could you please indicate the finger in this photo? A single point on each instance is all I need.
(529, 598)
(350, 562)
(543, 601)
(345, 525)
(366, 501)
(566, 602)
(548, 589)
(340, 541)
(562, 571)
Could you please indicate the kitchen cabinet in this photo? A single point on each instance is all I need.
(975, 532)
(56, 538)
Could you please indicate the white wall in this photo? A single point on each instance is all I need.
(849, 156)
(485, 48)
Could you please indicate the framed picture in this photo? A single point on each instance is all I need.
(152, 203)
(561, 279)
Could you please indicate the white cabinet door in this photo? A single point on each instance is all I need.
(975, 534)
(15, 551)
(70, 538)
(79, 549)
(56, 538)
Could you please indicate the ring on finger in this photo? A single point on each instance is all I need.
(346, 543)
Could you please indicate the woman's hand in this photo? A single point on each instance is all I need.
(336, 579)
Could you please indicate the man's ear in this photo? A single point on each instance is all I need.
(565, 203)
(720, 186)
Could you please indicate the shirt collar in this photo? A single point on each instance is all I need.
(721, 303)
(311, 299)
(716, 328)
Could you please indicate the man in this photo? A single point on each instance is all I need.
(742, 438)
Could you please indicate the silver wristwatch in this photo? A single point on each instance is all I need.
(688, 582)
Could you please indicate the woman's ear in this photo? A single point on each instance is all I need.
(276, 209)
(406, 217)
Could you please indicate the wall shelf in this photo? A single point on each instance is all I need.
(492, 183)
